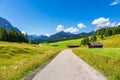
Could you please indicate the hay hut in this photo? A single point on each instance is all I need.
(95, 45)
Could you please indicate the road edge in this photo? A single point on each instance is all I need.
(31, 75)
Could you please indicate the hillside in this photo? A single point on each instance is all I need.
(7, 25)
(109, 42)
(22, 58)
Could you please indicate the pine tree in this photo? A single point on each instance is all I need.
(93, 38)
(85, 41)
(102, 37)
(1, 34)
(30, 41)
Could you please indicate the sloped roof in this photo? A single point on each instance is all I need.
(96, 43)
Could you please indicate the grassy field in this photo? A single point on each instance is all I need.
(63, 44)
(19, 59)
(106, 60)
(109, 42)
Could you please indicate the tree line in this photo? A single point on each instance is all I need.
(103, 32)
(12, 36)
(108, 31)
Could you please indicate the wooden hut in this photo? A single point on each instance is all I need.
(95, 45)
(73, 45)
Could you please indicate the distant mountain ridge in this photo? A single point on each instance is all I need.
(59, 36)
(37, 37)
(7, 25)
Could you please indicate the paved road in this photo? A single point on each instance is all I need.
(67, 66)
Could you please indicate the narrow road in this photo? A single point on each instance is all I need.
(67, 66)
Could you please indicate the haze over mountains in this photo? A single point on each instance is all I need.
(57, 36)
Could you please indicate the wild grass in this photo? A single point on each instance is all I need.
(111, 42)
(19, 59)
(106, 60)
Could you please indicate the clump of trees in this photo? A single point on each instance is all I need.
(12, 36)
(31, 42)
(86, 40)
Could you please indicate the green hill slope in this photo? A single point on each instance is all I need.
(63, 44)
(109, 42)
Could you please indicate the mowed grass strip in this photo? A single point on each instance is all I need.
(106, 60)
(19, 59)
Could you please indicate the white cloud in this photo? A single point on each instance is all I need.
(81, 25)
(104, 22)
(115, 2)
(59, 28)
(118, 24)
(47, 35)
(71, 30)
(100, 20)
(24, 32)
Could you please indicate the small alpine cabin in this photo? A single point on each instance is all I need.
(95, 45)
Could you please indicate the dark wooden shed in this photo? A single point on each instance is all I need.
(73, 45)
(95, 45)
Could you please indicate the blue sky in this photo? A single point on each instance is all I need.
(51, 16)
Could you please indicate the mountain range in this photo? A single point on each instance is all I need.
(59, 36)
(37, 37)
(7, 25)
(55, 37)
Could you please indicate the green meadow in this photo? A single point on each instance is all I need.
(108, 42)
(106, 60)
(111, 42)
(19, 59)
(62, 44)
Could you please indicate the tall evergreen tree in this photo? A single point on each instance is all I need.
(101, 36)
(93, 38)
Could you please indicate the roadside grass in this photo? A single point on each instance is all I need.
(105, 60)
(19, 59)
